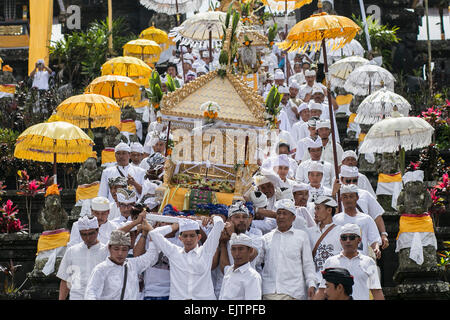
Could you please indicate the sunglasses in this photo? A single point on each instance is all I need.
(351, 180)
(350, 237)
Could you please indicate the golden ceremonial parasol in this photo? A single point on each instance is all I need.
(285, 5)
(126, 66)
(312, 33)
(115, 87)
(89, 110)
(56, 142)
(147, 50)
(159, 36)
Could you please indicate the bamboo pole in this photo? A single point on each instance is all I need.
(430, 77)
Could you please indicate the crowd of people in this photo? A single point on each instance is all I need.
(300, 233)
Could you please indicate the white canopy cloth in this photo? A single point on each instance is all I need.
(379, 105)
(351, 49)
(171, 7)
(195, 30)
(397, 131)
(340, 70)
(367, 79)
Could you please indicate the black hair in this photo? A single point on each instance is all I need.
(333, 211)
(137, 209)
(305, 62)
(171, 64)
(196, 231)
(283, 144)
(348, 289)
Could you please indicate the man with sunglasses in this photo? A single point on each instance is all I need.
(350, 158)
(361, 267)
(369, 232)
(100, 207)
(366, 202)
(324, 237)
(286, 254)
(79, 260)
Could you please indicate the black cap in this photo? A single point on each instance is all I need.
(338, 275)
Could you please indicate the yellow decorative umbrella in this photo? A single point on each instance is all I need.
(126, 66)
(312, 33)
(147, 50)
(56, 142)
(89, 110)
(159, 36)
(285, 5)
(115, 87)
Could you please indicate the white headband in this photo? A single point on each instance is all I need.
(326, 200)
(241, 239)
(349, 172)
(100, 204)
(323, 124)
(122, 147)
(351, 228)
(84, 223)
(188, 225)
(349, 153)
(136, 147)
(300, 187)
(349, 188)
(315, 166)
(286, 204)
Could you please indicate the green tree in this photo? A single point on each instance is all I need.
(382, 37)
(80, 55)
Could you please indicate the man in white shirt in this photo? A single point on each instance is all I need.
(369, 232)
(305, 92)
(114, 185)
(304, 116)
(315, 151)
(126, 199)
(350, 158)
(315, 187)
(300, 191)
(116, 278)
(323, 128)
(361, 267)
(190, 266)
(241, 281)
(79, 260)
(338, 284)
(286, 254)
(136, 153)
(100, 207)
(134, 175)
(40, 75)
(265, 214)
(324, 237)
(304, 132)
(367, 203)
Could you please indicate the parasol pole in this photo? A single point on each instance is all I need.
(55, 180)
(366, 28)
(110, 38)
(167, 139)
(285, 37)
(181, 47)
(333, 134)
(430, 79)
(210, 50)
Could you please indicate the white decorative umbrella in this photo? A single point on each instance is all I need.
(351, 49)
(340, 70)
(368, 78)
(396, 132)
(201, 29)
(379, 105)
(171, 7)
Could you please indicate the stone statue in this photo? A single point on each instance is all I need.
(414, 198)
(128, 113)
(163, 21)
(89, 172)
(418, 275)
(53, 216)
(109, 139)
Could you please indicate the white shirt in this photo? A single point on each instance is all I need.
(77, 264)
(284, 118)
(157, 276)
(40, 80)
(328, 247)
(243, 283)
(288, 263)
(314, 193)
(114, 211)
(112, 172)
(104, 233)
(362, 268)
(369, 204)
(299, 130)
(327, 153)
(190, 272)
(106, 280)
(364, 183)
(369, 231)
(302, 172)
(305, 89)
